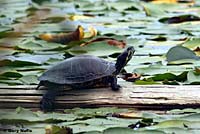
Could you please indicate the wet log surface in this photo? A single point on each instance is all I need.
(151, 97)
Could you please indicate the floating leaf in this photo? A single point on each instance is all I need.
(160, 69)
(169, 123)
(11, 82)
(131, 114)
(180, 19)
(98, 124)
(64, 38)
(193, 118)
(171, 1)
(158, 38)
(110, 41)
(38, 45)
(131, 77)
(4, 29)
(55, 19)
(153, 9)
(10, 74)
(166, 76)
(53, 129)
(174, 82)
(96, 48)
(162, 1)
(79, 17)
(118, 130)
(29, 79)
(179, 53)
(26, 115)
(146, 82)
(184, 111)
(192, 43)
(27, 59)
(142, 123)
(170, 77)
(16, 63)
(197, 51)
(123, 5)
(193, 78)
(10, 34)
(91, 112)
(93, 132)
(92, 32)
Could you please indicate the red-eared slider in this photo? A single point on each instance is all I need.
(84, 71)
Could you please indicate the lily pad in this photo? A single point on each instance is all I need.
(179, 53)
(170, 77)
(192, 43)
(97, 49)
(89, 112)
(38, 45)
(193, 78)
(180, 19)
(25, 115)
(118, 130)
(29, 79)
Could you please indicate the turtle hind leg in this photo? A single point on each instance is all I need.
(39, 85)
(47, 104)
(114, 85)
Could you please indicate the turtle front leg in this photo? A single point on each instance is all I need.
(48, 99)
(114, 85)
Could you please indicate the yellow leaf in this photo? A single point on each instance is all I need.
(91, 32)
(64, 38)
(164, 1)
(47, 36)
(131, 115)
(79, 17)
(170, 1)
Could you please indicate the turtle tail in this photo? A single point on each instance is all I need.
(47, 103)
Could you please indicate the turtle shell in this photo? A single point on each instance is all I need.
(78, 69)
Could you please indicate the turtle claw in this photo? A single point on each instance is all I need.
(114, 84)
(47, 105)
(116, 88)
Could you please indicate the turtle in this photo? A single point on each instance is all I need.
(81, 72)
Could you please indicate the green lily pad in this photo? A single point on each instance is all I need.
(26, 115)
(97, 49)
(89, 112)
(179, 53)
(10, 74)
(160, 69)
(182, 111)
(38, 45)
(123, 5)
(192, 43)
(180, 19)
(27, 59)
(153, 9)
(4, 28)
(12, 82)
(146, 82)
(192, 77)
(29, 79)
(118, 130)
(170, 77)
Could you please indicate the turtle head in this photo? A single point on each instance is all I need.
(123, 59)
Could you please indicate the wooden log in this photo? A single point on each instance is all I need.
(152, 97)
